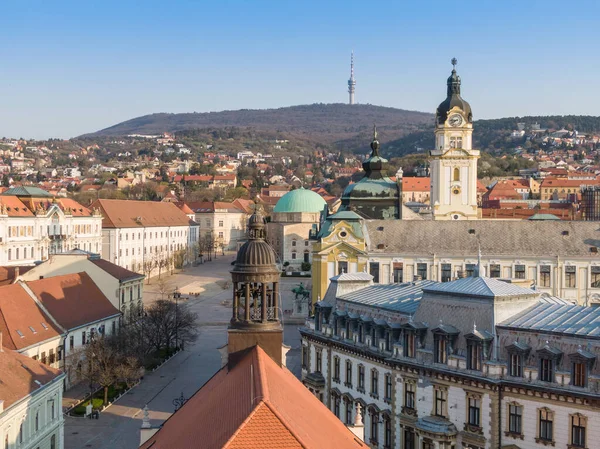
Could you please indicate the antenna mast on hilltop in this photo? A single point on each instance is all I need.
(351, 81)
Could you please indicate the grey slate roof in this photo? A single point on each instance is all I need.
(361, 276)
(556, 318)
(539, 238)
(28, 191)
(403, 298)
(479, 287)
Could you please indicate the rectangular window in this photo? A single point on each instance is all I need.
(71, 342)
(547, 370)
(409, 344)
(579, 375)
(474, 411)
(220, 223)
(342, 267)
(446, 272)
(519, 271)
(361, 377)
(319, 361)
(304, 356)
(545, 430)
(422, 270)
(375, 383)
(336, 369)
(374, 428)
(516, 365)
(495, 270)
(545, 276)
(348, 411)
(348, 373)
(578, 431)
(570, 277)
(515, 415)
(440, 402)
(441, 349)
(409, 439)
(374, 271)
(388, 387)
(83, 338)
(398, 268)
(409, 395)
(474, 356)
(470, 269)
(387, 436)
(336, 406)
(595, 281)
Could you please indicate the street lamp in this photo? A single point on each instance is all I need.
(176, 295)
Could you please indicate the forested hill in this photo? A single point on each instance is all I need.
(344, 125)
(494, 134)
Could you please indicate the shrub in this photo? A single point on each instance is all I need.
(305, 266)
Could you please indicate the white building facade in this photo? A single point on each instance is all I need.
(33, 227)
(140, 234)
(34, 420)
(473, 363)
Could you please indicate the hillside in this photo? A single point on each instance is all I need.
(340, 124)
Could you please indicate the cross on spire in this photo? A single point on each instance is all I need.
(454, 61)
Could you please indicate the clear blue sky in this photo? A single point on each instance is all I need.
(70, 67)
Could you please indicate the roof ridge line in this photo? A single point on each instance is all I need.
(242, 424)
(262, 375)
(284, 424)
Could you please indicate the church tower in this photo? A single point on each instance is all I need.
(454, 161)
(256, 307)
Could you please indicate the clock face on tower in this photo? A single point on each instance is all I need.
(455, 120)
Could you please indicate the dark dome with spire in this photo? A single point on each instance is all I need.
(375, 195)
(453, 99)
(255, 258)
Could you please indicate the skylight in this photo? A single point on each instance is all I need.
(44, 325)
(32, 330)
(20, 333)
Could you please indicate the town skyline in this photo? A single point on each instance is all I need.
(99, 65)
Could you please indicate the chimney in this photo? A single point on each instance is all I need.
(17, 272)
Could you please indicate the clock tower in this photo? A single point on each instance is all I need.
(454, 161)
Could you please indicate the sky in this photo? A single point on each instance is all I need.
(72, 67)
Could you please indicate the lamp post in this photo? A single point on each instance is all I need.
(176, 295)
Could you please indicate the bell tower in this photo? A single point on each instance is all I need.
(256, 306)
(454, 161)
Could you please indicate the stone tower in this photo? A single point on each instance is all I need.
(454, 161)
(256, 305)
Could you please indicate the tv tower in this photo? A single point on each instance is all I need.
(351, 81)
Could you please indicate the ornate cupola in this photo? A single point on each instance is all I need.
(453, 99)
(256, 306)
(375, 196)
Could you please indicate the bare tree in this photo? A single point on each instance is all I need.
(168, 324)
(149, 265)
(163, 288)
(162, 262)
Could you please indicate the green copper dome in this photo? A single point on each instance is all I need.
(300, 200)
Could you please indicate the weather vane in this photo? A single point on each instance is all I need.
(374, 132)
(454, 62)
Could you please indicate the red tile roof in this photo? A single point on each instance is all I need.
(15, 207)
(18, 376)
(18, 314)
(73, 300)
(8, 274)
(139, 214)
(416, 184)
(120, 273)
(256, 404)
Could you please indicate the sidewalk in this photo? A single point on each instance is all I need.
(74, 395)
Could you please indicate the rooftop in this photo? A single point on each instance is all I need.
(558, 318)
(120, 273)
(480, 287)
(20, 376)
(140, 214)
(403, 298)
(254, 404)
(73, 300)
(300, 200)
(27, 191)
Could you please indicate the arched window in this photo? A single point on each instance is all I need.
(456, 176)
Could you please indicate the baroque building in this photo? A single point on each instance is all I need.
(35, 224)
(454, 161)
(294, 216)
(472, 363)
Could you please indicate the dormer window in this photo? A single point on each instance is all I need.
(443, 340)
(549, 358)
(409, 343)
(478, 343)
(517, 354)
(581, 362)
